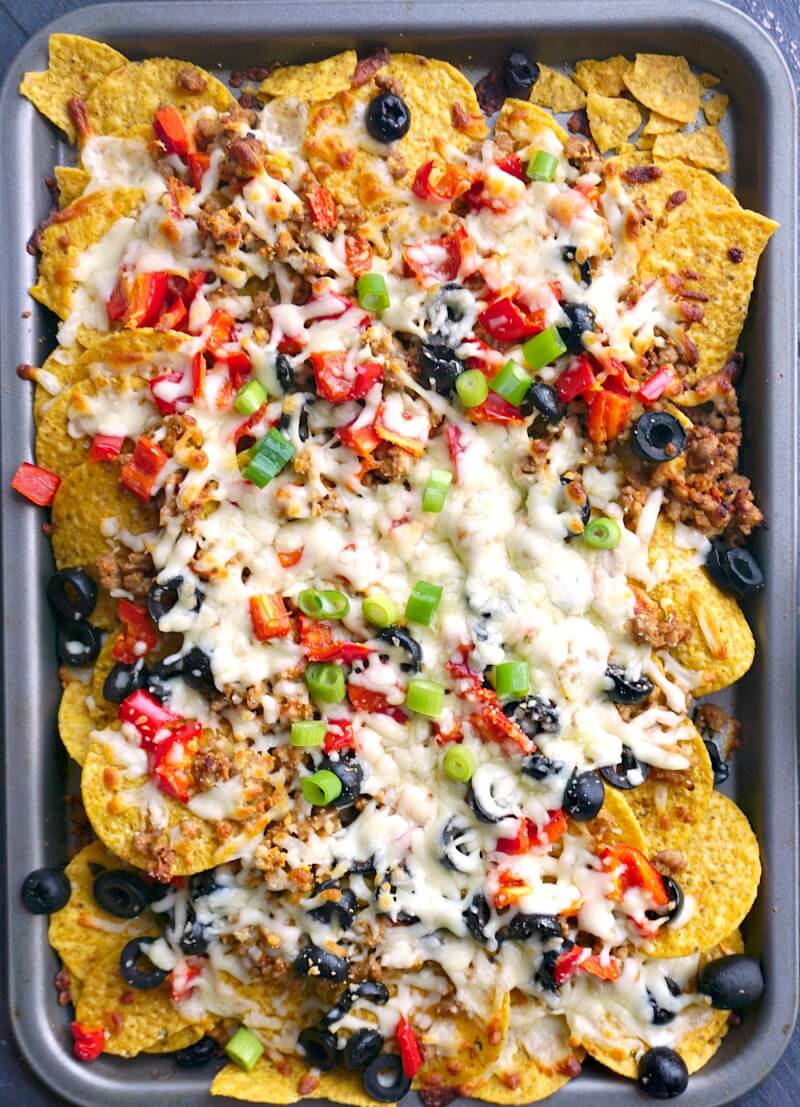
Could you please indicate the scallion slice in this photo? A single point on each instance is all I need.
(459, 763)
(325, 682)
(268, 457)
(542, 166)
(327, 604)
(380, 610)
(602, 533)
(321, 787)
(425, 697)
(308, 732)
(436, 490)
(472, 387)
(511, 678)
(512, 382)
(372, 294)
(422, 603)
(245, 1049)
(249, 398)
(544, 348)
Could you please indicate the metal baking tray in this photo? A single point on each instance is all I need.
(471, 33)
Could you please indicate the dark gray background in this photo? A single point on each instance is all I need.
(18, 20)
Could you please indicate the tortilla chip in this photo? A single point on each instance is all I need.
(180, 1039)
(665, 83)
(721, 879)
(704, 148)
(708, 80)
(715, 106)
(135, 1020)
(524, 122)
(312, 82)
(269, 1081)
(102, 667)
(602, 77)
(125, 101)
(728, 283)
(611, 121)
(88, 496)
(55, 447)
(75, 720)
(75, 65)
(71, 183)
(644, 142)
(345, 158)
(60, 367)
(117, 819)
(82, 933)
(126, 352)
(556, 91)
(475, 1046)
(671, 806)
(660, 125)
(617, 823)
(71, 232)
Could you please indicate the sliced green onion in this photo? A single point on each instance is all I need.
(250, 397)
(422, 603)
(512, 382)
(268, 457)
(425, 697)
(325, 682)
(472, 387)
(511, 678)
(459, 763)
(308, 732)
(321, 787)
(245, 1049)
(602, 533)
(544, 348)
(328, 604)
(436, 490)
(542, 166)
(372, 294)
(380, 610)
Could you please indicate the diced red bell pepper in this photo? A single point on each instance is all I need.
(162, 393)
(141, 473)
(454, 734)
(657, 384)
(147, 714)
(451, 182)
(320, 645)
(489, 719)
(173, 316)
(199, 369)
(171, 131)
(117, 302)
(529, 835)
(455, 444)
(581, 958)
(358, 255)
(36, 484)
(506, 321)
(87, 1042)
(361, 440)
(520, 843)
(364, 699)
(512, 889)
(106, 447)
(322, 206)
(182, 977)
(172, 761)
(138, 637)
(553, 829)
(495, 409)
(249, 423)
(437, 260)
(198, 165)
(576, 379)
(611, 970)
(348, 652)
(222, 325)
(191, 285)
(512, 164)
(410, 1053)
(339, 736)
(413, 446)
(291, 345)
(269, 617)
(633, 870)
(137, 303)
(608, 415)
(333, 382)
(288, 558)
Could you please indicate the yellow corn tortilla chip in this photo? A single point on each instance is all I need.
(708, 80)
(660, 125)
(556, 91)
(75, 65)
(88, 496)
(475, 1046)
(270, 1081)
(124, 352)
(704, 148)
(665, 83)
(720, 881)
(60, 370)
(312, 82)
(82, 933)
(603, 77)
(71, 183)
(723, 246)
(670, 806)
(346, 160)
(611, 120)
(180, 1039)
(75, 720)
(102, 667)
(524, 121)
(125, 101)
(715, 106)
(644, 142)
(135, 1020)
(73, 231)
(617, 823)
(56, 449)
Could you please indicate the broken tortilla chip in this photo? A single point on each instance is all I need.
(704, 148)
(664, 83)
(313, 82)
(603, 77)
(611, 120)
(556, 91)
(715, 106)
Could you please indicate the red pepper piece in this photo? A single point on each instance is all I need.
(147, 714)
(139, 636)
(36, 484)
(137, 303)
(512, 888)
(162, 393)
(171, 131)
(364, 699)
(291, 346)
(612, 970)
(117, 302)
(87, 1041)
(580, 958)
(349, 652)
(553, 829)
(577, 378)
(339, 736)
(410, 1053)
(495, 409)
(333, 382)
(173, 316)
(512, 164)
(105, 447)
(361, 440)
(182, 977)
(322, 206)
(657, 384)
(221, 326)
(198, 374)
(529, 835)
(455, 444)
(198, 164)
(608, 415)
(288, 558)
(437, 260)
(358, 255)
(141, 473)
(172, 761)
(520, 843)
(506, 321)
(451, 182)
(269, 617)
(634, 871)
(239, 368)
(249, 423)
